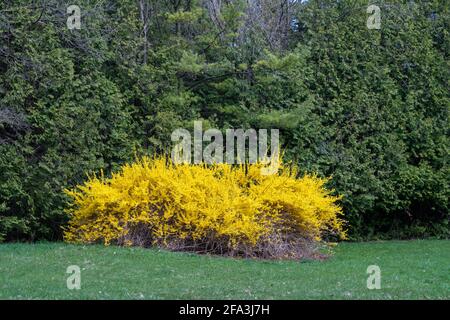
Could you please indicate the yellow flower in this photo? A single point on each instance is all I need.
(219, 207)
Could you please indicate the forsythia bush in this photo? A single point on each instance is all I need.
(205, 208)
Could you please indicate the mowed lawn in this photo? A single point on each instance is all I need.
(409, 270)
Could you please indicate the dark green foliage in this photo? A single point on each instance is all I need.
(62, 118)
(383, 99)
(369, 107)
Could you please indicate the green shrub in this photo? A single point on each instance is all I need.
(367, 107)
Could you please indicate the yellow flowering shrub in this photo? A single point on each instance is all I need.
(222, 209)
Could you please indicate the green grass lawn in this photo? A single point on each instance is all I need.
(409, 270)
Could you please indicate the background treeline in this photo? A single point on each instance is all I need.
(369, 107)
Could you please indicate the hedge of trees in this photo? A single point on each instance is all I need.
(367, 106)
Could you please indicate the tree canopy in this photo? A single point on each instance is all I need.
(368, 107)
